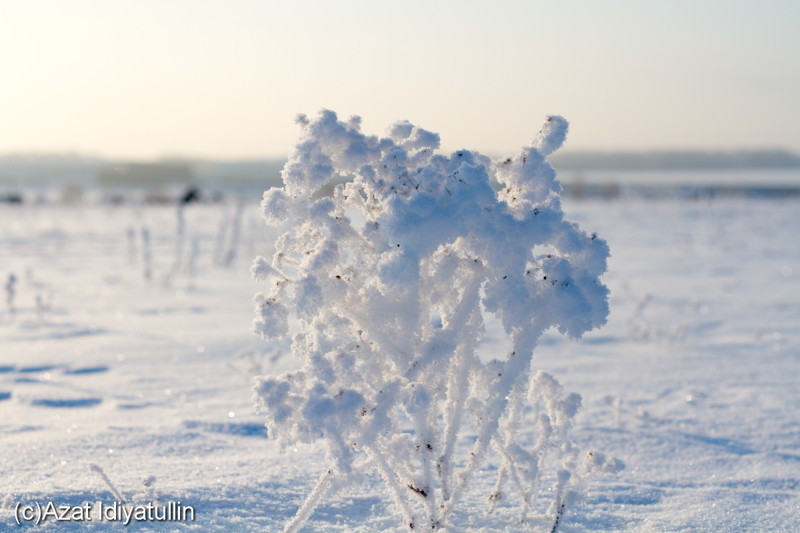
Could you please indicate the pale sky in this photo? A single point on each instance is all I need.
(225, 79)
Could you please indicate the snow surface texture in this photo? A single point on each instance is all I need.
(390, 280)
(693, 382)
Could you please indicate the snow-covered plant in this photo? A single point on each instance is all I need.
(389, 281)
(231, 244)
(180, 237)
(42, 305)
(147, 255)
(130, 235)
(194, 254)
(11, 292)
(148, 492)
(99, 471)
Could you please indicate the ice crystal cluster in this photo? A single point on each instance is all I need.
(391, 259)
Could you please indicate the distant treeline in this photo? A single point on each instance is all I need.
(43, 169)
(675, 160)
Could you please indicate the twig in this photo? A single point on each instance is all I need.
(114, 491)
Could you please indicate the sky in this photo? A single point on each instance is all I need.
(143, 79)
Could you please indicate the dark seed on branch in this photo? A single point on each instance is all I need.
(419, 491)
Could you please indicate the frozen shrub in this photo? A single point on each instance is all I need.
(389, 280)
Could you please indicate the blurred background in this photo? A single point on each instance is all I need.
(102, 98)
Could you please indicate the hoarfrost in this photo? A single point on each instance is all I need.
(390, 279)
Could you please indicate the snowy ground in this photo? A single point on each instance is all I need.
(694, 383)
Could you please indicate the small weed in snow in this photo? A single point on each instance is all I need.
(390, 280)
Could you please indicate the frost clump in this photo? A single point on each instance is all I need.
(390, 279)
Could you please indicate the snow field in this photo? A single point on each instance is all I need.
(692, 383)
